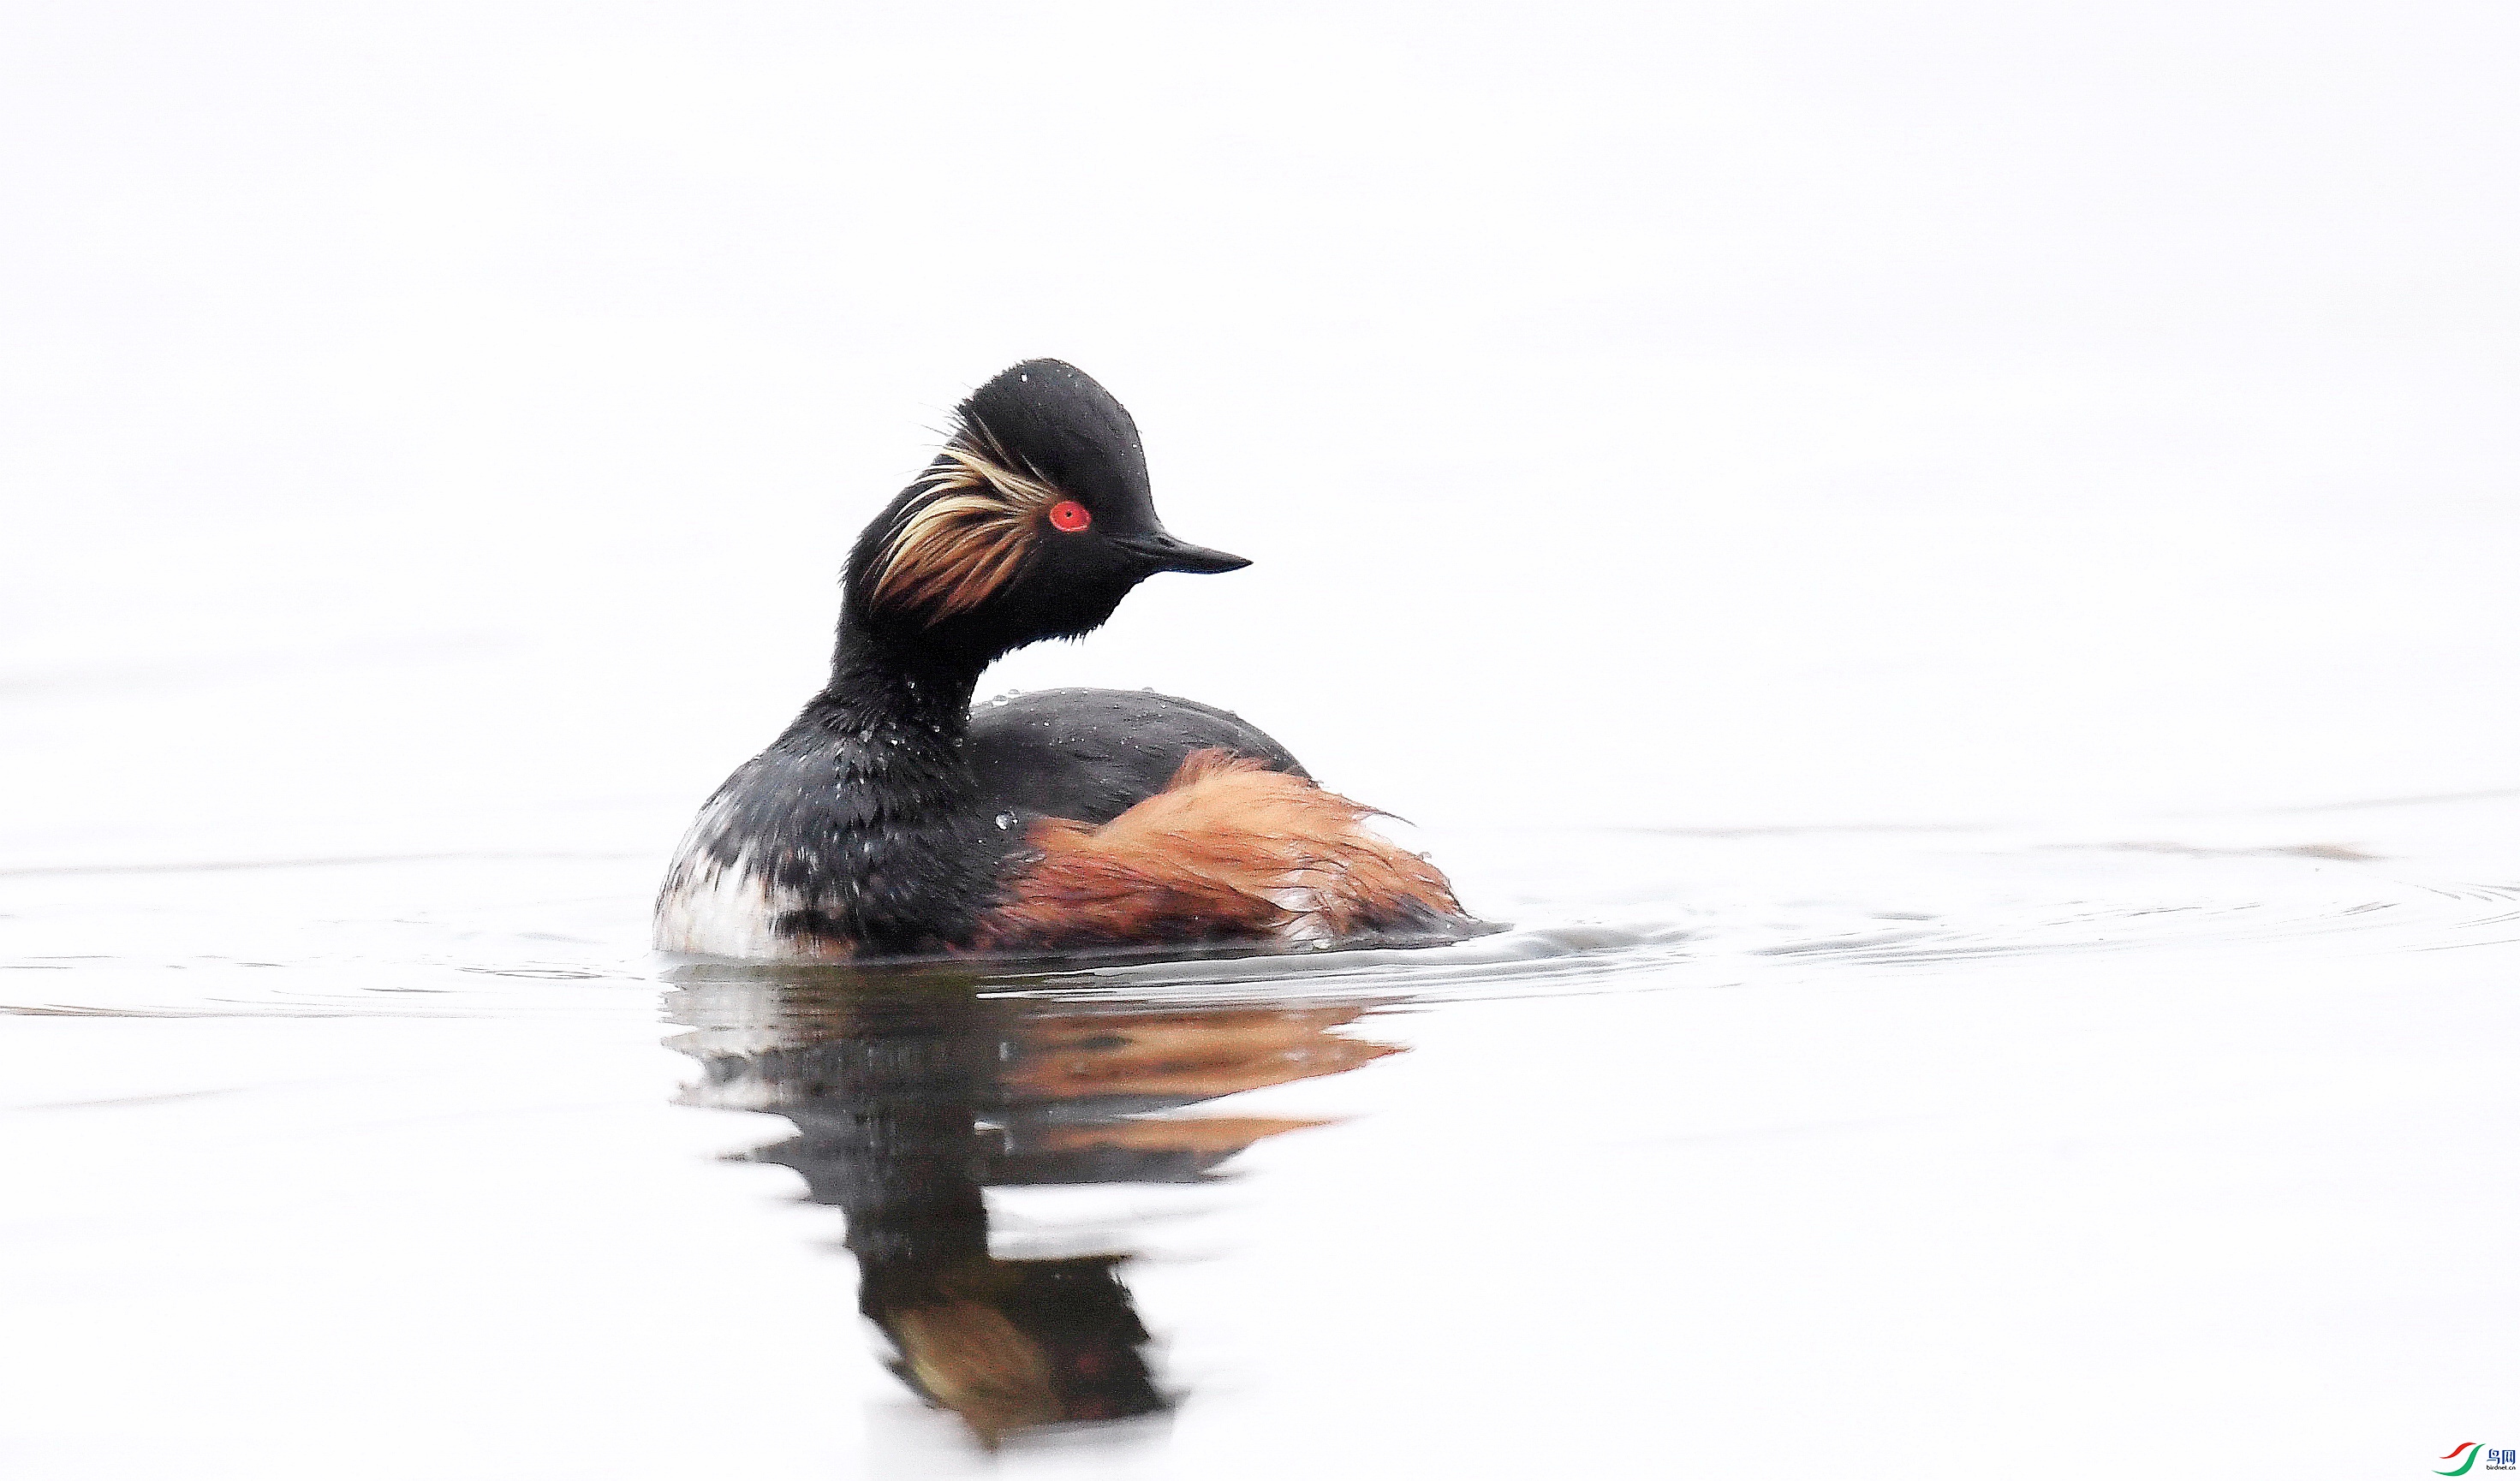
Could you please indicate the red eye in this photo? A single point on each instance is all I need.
(1069, 515)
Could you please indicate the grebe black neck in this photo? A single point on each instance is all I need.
(902, 692)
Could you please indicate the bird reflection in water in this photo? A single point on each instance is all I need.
(910, 1091)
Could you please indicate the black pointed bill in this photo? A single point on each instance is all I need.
(1163, 553)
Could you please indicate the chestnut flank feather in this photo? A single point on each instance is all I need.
(1230, 850)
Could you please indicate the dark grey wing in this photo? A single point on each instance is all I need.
(1093, 753)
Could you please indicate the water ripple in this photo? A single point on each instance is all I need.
(560, 934)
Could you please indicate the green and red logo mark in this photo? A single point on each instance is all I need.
(2495, 1460)
(2468, 1449)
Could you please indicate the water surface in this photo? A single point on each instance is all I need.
(1806, 1152)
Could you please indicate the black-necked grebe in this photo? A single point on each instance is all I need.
(891, 819)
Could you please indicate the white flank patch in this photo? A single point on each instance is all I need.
(723, 910)
(715, 910)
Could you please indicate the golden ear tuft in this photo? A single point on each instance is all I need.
(968, 536)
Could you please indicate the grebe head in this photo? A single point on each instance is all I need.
(1033, 522)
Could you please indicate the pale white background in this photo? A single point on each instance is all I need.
(434, 429)
(440, 423)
